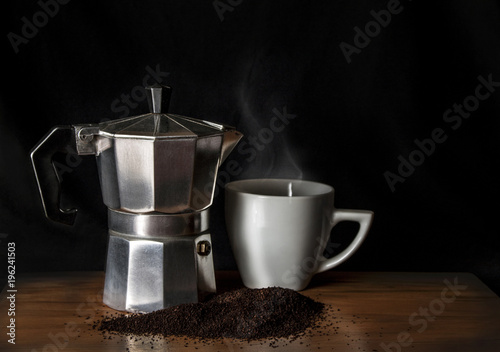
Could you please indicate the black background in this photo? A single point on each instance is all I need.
(353, 121)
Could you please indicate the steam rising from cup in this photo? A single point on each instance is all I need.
(267, 153)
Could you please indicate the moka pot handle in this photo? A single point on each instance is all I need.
(59, 139)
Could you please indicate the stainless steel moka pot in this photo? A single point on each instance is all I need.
(157, 174)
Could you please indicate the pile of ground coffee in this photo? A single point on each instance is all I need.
(245, 313)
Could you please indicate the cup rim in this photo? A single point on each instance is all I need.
(233, 187)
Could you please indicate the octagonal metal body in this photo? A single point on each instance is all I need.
(158, 175)
(148, 268)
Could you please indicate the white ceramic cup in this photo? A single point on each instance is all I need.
(279, 230)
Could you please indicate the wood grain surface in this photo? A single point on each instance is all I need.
(369, 312)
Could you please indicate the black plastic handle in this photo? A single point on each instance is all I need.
(47, 177)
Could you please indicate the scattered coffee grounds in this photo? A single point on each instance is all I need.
(247, 314)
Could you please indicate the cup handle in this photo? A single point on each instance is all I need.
(364, 218)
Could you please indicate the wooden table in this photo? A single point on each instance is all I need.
(373, 312)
